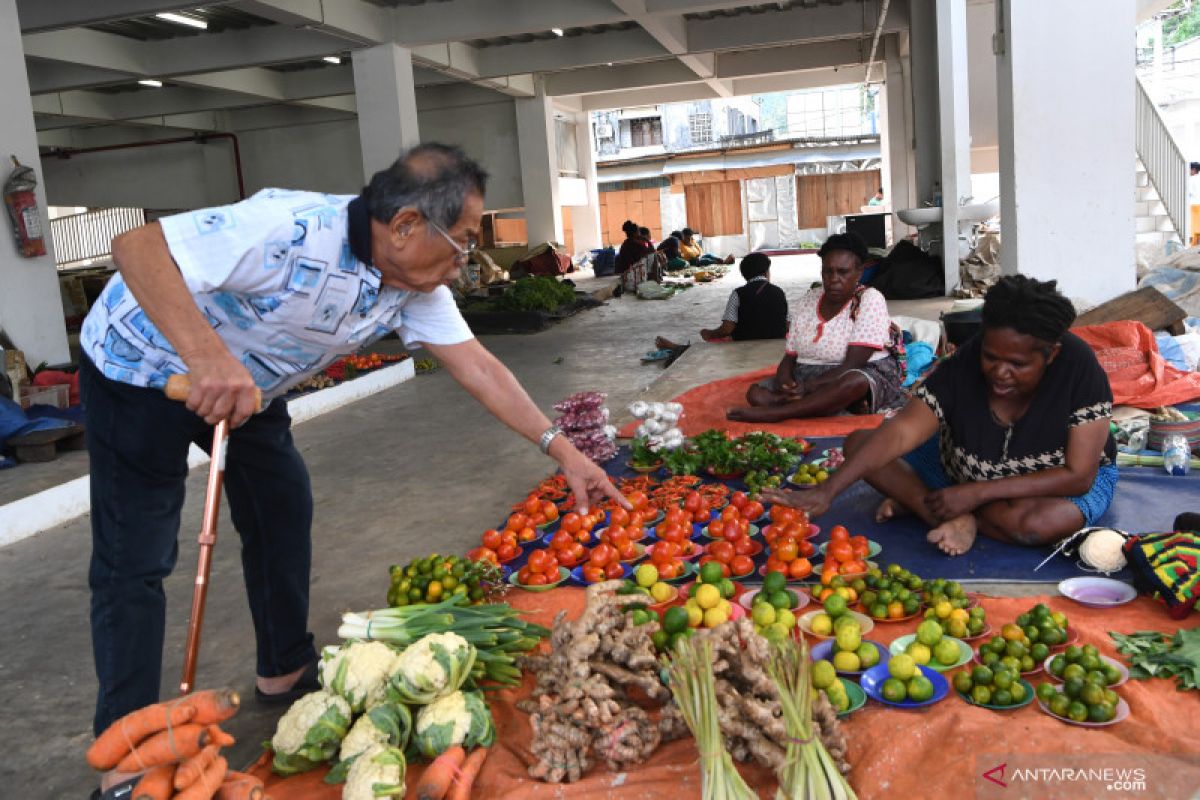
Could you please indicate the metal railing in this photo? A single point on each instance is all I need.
(1162, 158)
(80, 237)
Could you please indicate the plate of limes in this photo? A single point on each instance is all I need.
(901, 683)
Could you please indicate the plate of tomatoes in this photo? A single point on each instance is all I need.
(603, 564)
(499, 547)
(686, 550)
(568, 550)
(540, 573)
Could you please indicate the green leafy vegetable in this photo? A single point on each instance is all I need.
(1155, 655)
(537, 293)
(641, 455)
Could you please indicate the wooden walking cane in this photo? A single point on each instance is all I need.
(178, 387)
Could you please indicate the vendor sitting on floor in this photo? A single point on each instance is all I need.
(1009, 436)
(689, 250)
(756, 310)
(841, 351)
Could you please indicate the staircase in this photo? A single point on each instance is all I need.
(1161, 189)
(1153, 224)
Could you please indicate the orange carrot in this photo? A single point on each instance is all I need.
(466, 779)
(126, 733)
(438, 776)
(166, 747)
(209, 783)
(240, 786)
(189, 771)
(155, 784)
(212, 705)
(219, 737)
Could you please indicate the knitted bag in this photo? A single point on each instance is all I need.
(1166, 563)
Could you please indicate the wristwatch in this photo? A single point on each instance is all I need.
(548, 437)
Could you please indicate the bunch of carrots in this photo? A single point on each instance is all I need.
(452, 775)
(176, 746)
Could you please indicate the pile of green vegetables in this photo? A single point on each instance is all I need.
(536, 293)
(1157, 655)
(713, 450)
(496, 631)
(435, 578)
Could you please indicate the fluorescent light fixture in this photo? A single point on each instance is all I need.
(181, 19)
(151, 82)
(333, 59)
(557, 31)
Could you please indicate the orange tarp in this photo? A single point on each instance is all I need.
(704, 407)
(1138, 374)
(941, 751)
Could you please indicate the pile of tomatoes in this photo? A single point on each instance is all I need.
(787, 537)
(603, 564)
(674, 545)
(498, 547)
(540, 570)
(845, 555)
(733, 548)
(539, 512)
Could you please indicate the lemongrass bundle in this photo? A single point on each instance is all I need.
(810, 772)
(690, 672)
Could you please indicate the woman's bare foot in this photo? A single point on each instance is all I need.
(764, 397)
(955, 537)
(729, 258)
(889, 509)
(663, 343)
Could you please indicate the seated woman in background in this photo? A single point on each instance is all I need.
(633, 249)
(756, 310)
(669, 247)
(841, 352)
(689, 250)
(1009, 436)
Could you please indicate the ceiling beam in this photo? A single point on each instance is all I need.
(58, 76)
(671, 33)
(351, 20)
(606, 79)
(690, 6)
(277, 116)
(46, 15)
(679, 93)
(791, 58)
(566, 53)
(796, 24)
(462, 20)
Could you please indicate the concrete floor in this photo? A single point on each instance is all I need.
(415, 468)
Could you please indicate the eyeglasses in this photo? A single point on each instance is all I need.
(461, 253)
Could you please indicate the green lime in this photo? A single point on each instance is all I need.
(1111, 674)
(1102, 712)
(894, 691)
(990, 659)
(659, 638)
(1077, 712)
(1018, 692)
(711, 573)
(763, 614)
(1111, 697)
(727, 588)
(1089, 661)
(981, 694)
(1003, 679)
(835, 605)
(1059, 704)
(1090, 650)
(1058, 665)
(675, 620)
(823, 674)
(773, 582)
(1002, 697)
(868, 655)
(1071, 670)
(1096, 677)
(879, 611)
(1027, 664)
(962, 682)
(920, 689)
(640, 616)
(1073, 687)
(1039, 652)
(781, 599)
(1073, 654)
(982, 676)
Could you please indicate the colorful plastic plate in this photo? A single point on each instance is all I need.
(984, 632)
(663, 605)
(875, 548)
(905, 618)
(824, 650)
(641, 553)
(964, 651)
(577, 574)
(657, 518)
(1097, 592)
(873, 679)
(804, 623)
(1030, 694)
(1122, 711)
(563, 574)
(858, 698)
(645, 470)
(753, 531)
(1072, 638)
(747, 599)
(870, 565)
(1124, 670)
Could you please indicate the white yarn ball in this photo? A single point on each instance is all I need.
(1102, 550)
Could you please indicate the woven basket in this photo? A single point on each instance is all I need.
(1161, 429)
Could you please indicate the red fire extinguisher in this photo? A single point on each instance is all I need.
(23, 210)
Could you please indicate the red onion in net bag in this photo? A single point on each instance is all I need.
(583, 420)
(583, 401)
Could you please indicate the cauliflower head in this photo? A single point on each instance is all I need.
(434, 666)
(309, 732)
(376, 773)
(358, 671)
(388, 723)
(458, 718)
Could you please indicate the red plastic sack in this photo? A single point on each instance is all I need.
(1137, 372)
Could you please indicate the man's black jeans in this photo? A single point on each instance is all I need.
(137, 444)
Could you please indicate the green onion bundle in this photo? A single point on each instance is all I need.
(810, 772)
(496, 630)
(690, 671)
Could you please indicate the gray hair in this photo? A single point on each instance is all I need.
(432, 178)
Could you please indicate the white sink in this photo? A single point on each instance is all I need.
(973, 212)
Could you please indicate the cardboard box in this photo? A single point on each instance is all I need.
(14, 368)
(57, 395)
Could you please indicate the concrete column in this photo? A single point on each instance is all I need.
(387, 104)
(31, 310)
(1067, 144)
(585, 220)
(954, 125)
(539, 166)
(923, 83)
(897, 139)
